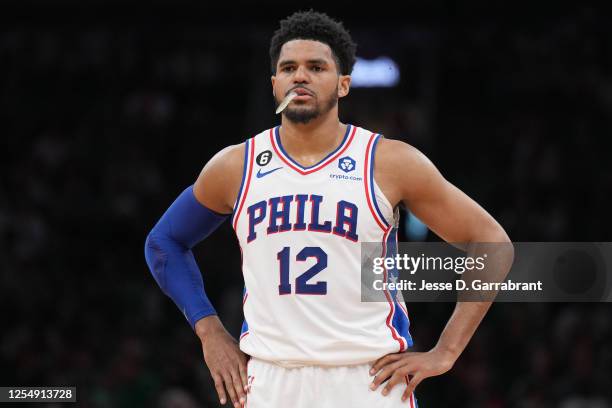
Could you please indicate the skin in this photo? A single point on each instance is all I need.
(406, 176)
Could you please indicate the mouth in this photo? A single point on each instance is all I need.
(303, 97)
(302, 92)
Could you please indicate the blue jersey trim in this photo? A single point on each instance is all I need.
(245, 325)
(244, 172)
(280, 146)
(372, 153)
(400, 321)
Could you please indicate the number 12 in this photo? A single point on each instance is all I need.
(301, 287)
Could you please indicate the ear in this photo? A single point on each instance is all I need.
(344, 85)
(273, 79)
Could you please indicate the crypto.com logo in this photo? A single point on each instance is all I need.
(346, 164)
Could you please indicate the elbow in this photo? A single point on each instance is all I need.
(499, 243)
(155, 257)
(495, 240)
(493, 232)
(149, 249)
(501, 236)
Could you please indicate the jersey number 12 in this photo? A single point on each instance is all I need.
(301, 285)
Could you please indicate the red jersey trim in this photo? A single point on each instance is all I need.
(247, 177)
(368, 175)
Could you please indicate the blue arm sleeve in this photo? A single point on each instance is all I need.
(168, 253)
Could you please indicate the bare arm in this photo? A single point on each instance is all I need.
(217, 188)
(219, 181)
(406, 176)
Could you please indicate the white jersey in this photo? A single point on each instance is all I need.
(299, 230)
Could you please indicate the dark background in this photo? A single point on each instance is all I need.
(109, 110)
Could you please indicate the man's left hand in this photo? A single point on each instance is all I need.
(409, 368)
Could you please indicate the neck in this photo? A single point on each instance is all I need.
(310, 142)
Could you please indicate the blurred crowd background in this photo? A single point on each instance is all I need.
(109, 110)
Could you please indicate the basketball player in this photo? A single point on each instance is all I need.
(301, 197)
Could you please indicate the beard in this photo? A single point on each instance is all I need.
(305, 114)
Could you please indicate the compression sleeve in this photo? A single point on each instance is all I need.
(168, 253)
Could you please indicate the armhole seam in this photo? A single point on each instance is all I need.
(373, 183)
(246, 172)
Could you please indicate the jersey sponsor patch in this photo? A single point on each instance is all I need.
(346, 164)
(345, 177)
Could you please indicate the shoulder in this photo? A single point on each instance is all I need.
(402, 160)
(403, 171)
(230, 158)
(394, 150)
(219, 181)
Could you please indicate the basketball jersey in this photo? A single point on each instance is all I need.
(299, 230)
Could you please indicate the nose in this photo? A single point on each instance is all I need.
(300, 75)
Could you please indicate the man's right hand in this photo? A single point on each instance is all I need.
(226, 362)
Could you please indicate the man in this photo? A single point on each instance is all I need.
(301, 197)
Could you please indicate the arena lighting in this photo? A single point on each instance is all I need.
(381, 72)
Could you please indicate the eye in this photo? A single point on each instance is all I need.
(317, 68)
(288, 68)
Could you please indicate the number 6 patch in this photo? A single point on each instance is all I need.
(264, 157)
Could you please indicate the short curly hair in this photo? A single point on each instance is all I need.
(312, 25)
